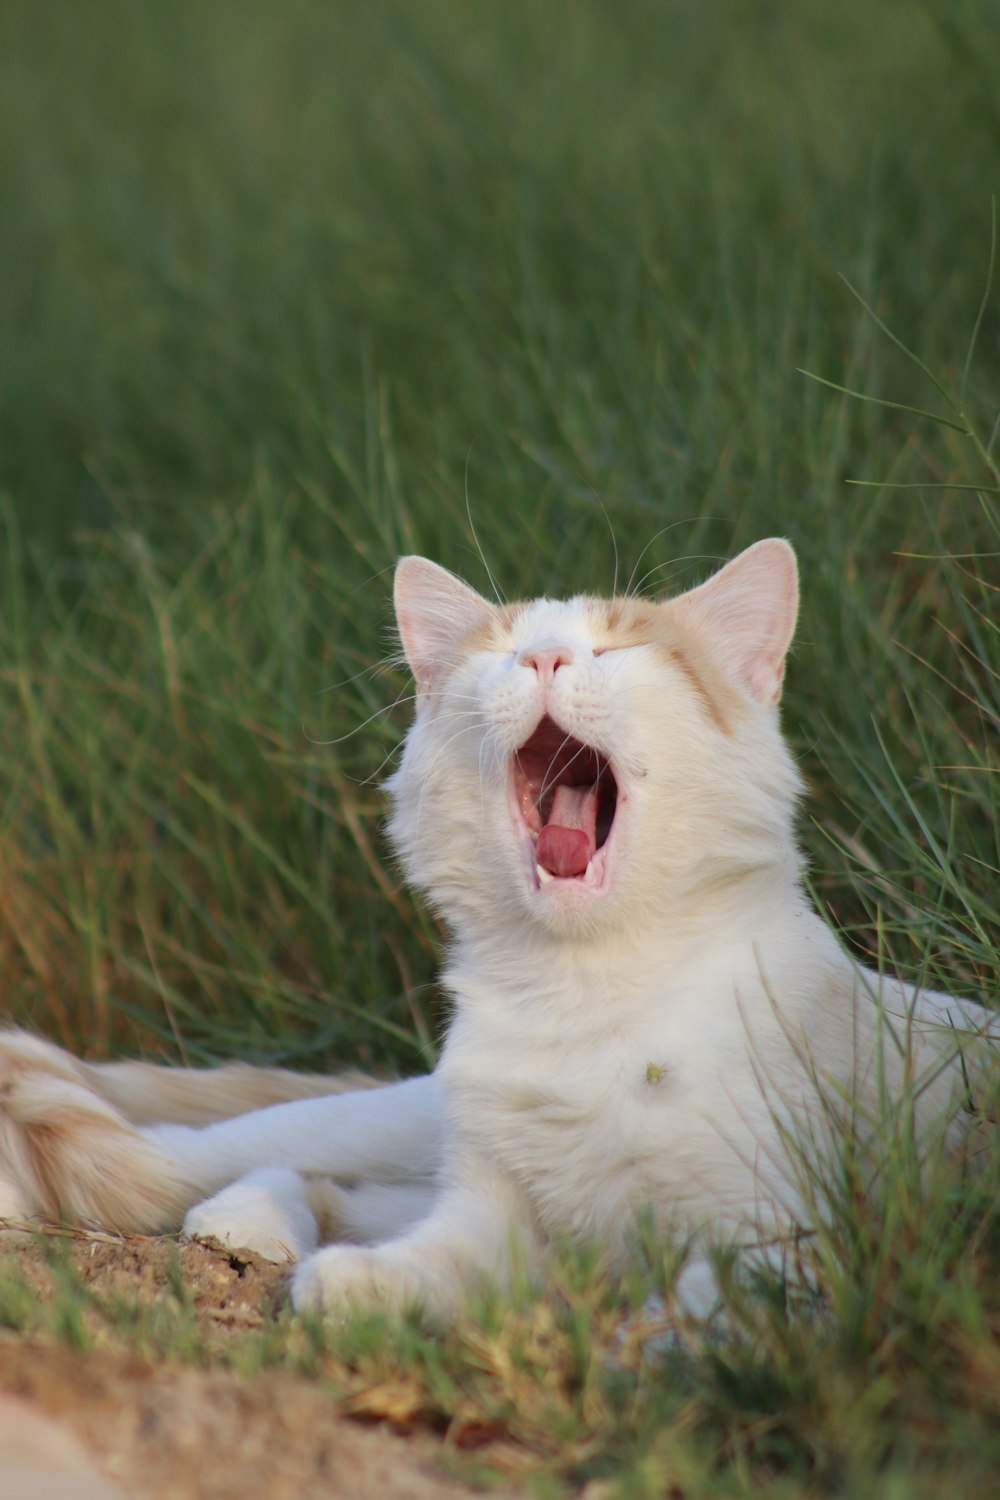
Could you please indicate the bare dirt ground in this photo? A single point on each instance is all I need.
(166, 1430)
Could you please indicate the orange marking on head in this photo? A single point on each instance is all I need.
(637, 622)
(494, 632)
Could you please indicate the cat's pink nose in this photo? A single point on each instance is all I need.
(546, 660)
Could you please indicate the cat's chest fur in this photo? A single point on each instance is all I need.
(623, 1092)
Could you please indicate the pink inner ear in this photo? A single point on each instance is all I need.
(435, 611)
(750, 607)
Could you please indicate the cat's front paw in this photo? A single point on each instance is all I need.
(344, 1278)
(266, 1211)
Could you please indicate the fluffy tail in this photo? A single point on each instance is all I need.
(151, 1094)
(69, 1147)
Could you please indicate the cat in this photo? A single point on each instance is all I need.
(596, 799)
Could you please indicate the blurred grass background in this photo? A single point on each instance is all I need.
(285, 291)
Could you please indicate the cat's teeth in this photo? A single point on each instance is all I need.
(590, 875)
(545, 877)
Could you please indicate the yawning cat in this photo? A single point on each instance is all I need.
(596, 798)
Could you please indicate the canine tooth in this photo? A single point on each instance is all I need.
(544, 876)
(590, 875)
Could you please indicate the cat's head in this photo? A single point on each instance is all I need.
(595, 765)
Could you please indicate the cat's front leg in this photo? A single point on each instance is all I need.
(267, 1211)
(388, 1133)
(467, 1239)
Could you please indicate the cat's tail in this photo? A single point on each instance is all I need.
(69, 1147)
(153, 1094)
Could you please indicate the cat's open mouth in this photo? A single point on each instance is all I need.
(565, 795)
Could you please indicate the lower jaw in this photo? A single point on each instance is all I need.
(592, 878)
(593, 881)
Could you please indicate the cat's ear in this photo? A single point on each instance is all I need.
(750, 607)
(435, 612)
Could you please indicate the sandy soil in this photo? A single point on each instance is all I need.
(167, 1431)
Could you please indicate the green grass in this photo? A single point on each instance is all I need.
(286, 291)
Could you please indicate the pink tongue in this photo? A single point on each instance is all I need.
(567, 842)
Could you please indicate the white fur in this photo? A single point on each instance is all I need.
(654, 1035)
(384, 1135)
(266, 1211)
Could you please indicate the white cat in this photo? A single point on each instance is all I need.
(596, 797)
